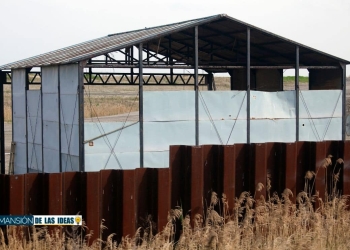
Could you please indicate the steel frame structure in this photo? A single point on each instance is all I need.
(156, 61)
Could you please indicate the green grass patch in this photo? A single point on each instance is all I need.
(302, 79)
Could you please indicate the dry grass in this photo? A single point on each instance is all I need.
(253, 223)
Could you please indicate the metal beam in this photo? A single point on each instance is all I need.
(141, 105)
(297, 93)
(2, 125)
(209, 80)
(27, 82)
(81, 115)
(196, 82)
(116, 66)
(343, 66)
(248, 85)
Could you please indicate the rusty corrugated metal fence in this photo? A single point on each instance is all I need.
(124, 198)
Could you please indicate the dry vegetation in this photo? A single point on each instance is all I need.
(253, 223)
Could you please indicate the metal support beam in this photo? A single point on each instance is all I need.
(343, 135)
(248, 85)
(209, 82)
(2, 128)
(196, 82)
(141, 105)
(297, 93)
(81, 116)
(26, 105)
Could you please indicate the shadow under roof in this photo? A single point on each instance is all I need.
(221, 40)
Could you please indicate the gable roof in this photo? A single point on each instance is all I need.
(222, 41)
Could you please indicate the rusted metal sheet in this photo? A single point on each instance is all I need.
(34, 194)
(146, 185)
(197, 182)
(92, 214)
(4, 193)
(321, 169)
(128, 199)
(54, 198)
(260, 169)
(229, 174)
(72, 193)
(291, 168)
(16, 194)
(212, 171)
(346, 168)
(111, 182)
(164, 199)
(129, 208)
(243, 168)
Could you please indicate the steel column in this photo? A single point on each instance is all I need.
(26, 105)
(141, 103)
(2, 133)
(81, 116)
(59, 116)
(209, 79)
(196, 82)
(297, 93)
(248, 85)
(343, 66)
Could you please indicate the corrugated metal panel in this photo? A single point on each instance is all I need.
(103, 45)
(50, 119)
(19, 114)
(111, 43)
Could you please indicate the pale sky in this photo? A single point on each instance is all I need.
(32, 27)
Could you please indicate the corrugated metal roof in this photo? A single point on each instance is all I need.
(103, 45)
(222, 23)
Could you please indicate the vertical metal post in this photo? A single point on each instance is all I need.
(171, 62)
(343, 66)
(26, 103)
(132, 63)
(141, 105)
(90, 72)
(59, 114)
(248, 85)
(209, 79)
(81, 116)
(2, 127)
(42, 122)
(297, 93)
(196, 82)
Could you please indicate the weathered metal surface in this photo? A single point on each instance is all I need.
(50, 119)
(34, 194)
(93, 206)
(16, 194)
(164, 199)
(291, 169)
(230, 174)
(19, 111)
(128, 199)
(111, 200)
(2, 124)
(346, 168)
(197, 182)
(129, 203)
(4, 192)
(54, 199)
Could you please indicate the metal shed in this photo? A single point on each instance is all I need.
(48, 124)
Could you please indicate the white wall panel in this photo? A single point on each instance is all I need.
(51, 154)
(69, 116)
(19, 119)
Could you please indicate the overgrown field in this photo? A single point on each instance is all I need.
(252, 223)
(114, 100)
